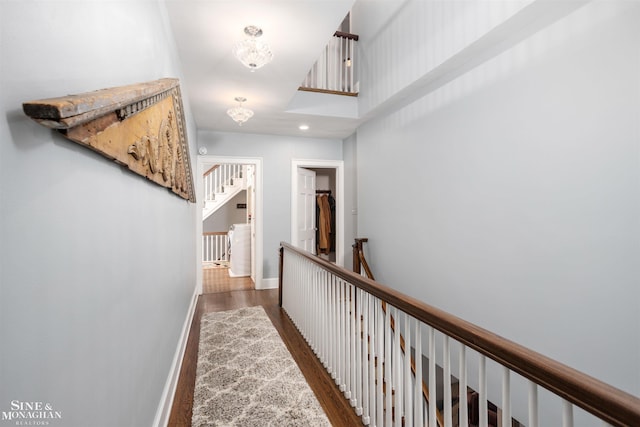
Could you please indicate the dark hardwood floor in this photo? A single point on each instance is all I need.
(335, 405)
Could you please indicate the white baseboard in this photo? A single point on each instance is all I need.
(268, 284)
(166, 401)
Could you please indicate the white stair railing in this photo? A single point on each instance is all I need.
(218, 178)
(335, 70)
(340, 315)
(221, 183)
(215, 247)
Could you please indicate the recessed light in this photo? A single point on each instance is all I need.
(303, 127)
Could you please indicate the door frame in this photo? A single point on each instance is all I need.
(338, 165)
(199, 184)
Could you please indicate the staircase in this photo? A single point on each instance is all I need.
(486, 380)
(221, 183)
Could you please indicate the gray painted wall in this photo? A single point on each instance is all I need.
(97, 265)
(349, 153)
(277, 153)
(226, 215)
(517, 191)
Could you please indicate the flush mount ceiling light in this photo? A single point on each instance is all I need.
(252, 52)
(240, 114)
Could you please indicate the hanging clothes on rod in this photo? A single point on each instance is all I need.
(325, 220)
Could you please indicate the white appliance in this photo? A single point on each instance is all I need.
(240, 250)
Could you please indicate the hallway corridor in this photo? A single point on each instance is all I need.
(334, 404)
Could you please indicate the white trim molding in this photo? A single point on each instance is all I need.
(271, 283)
(168, 393)
(338, 165)
(257, 162)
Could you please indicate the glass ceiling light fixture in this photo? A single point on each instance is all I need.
(240, 114)
(252, 52)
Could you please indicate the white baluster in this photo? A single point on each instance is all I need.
(323, 318)
(446, 366)
(354, 340)
(482, 391)
(397, 371)
(312, 308)
(354, 61)
(329, 65)
(336, 325)
(340, 337)
(533, 404)
(359, 339)
(432, 377)
(301, 288)
(327, 310)
(367, 360)
(331, 332)
(373, 353)
(317, 304)
(380, 326)
(506, 396)
(408, 400)
(462, 393)
(334, 60)
(214, 182)
(567, 414)
(344, 363)
(346, 348)
(387, 366)
(340, 63)
(207, 186)
(419, 402)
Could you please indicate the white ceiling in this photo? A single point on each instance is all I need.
(296, 31)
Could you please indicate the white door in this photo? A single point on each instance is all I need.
(306, 221)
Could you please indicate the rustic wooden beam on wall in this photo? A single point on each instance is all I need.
(140, 126)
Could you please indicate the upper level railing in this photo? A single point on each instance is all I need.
(335, 70)
(340, 315)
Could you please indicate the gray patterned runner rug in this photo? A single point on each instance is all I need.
(246, 376)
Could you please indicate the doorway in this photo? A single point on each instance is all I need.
(252, 205)
(309, 179)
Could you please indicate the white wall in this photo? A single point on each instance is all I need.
(517, 196)
(97, 265)
(277, 153)
(349, 153)
(402, 41)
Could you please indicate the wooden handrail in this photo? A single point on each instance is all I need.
(215, 233)
(344, 35)
(328, 91)
(611, 404)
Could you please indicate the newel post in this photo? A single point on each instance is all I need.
(358, 248)
(356, 257)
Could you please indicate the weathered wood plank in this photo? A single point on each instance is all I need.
(98, 101)
(139, 126)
